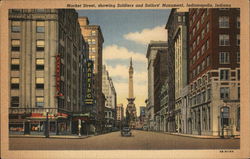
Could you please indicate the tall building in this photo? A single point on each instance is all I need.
(92, 34)
(120, 115)
(46, 64)
(172, 26)
(160, 74)
(110, 96)
(153, 48)
(131, 109)
(214, 71)
(180, 42)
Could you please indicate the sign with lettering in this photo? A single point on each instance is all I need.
(89, 100)
(58, 76)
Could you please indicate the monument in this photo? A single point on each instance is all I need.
(131, 109)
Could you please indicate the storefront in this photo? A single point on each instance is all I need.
(34, 124)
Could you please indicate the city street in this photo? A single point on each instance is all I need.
(141, 140)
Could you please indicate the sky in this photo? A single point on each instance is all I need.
(127, 34)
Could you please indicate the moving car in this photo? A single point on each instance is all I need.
(126, 131)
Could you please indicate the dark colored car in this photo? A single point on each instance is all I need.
(126, 131)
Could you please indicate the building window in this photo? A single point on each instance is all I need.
(238, 74)
(93, 33)
(224, 40)
(202, 34)
(208, 61)
(14, 101)
(207, 44)
(198, 40)
(39, 101)
(238, 57)
(223, 22)
(224, 57)
(198, 25)
(238, 40)
(198, 54)
(15, 64)
(40, 45)
(224, 93)
(179, 18)
(15, 45)
(203, 65)
(238, 22)
(15, 26)
(224, 116)
(39, 83)
(15, 83)
(207, 27)
(238, 92)
(93, 41)
(202, 18)
(224, 74)
(39, 64)
(202, 49)
(40, 27)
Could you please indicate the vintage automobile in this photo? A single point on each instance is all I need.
(126, 131)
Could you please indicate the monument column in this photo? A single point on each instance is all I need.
(131, 110)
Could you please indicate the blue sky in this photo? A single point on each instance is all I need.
(127, 33)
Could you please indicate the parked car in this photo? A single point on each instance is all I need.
(126, 131)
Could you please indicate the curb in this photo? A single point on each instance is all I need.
(54, 137)
(196, 136)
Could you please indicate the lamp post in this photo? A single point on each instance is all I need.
(79, 127)
(47, 124)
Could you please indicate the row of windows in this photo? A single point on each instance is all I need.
(224, 22)
(206, 95)
(205, 63)
(202, 17)
(16, 26)
(224, 75)
(15, 45)
(15, 82)
(199, 37)
(204, 47)
(224, 40)
(15, 64)
(224, 57)
(15, 101)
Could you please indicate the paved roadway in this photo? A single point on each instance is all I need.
(141, 140)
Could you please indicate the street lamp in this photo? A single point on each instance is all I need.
(79, 127)
(47, 124)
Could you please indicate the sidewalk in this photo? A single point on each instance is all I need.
(201, 136)
(197, 136)
(51, 136)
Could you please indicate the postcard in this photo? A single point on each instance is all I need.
(124, 79)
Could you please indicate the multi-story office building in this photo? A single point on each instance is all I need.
(153, 48)
(160, 74)
(92, 34)
(110, 97)
(120, 112)
(180, 42)
(171, 26)
(46, 61)
(214, 71)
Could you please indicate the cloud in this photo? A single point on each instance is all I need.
(114, 52)
(158, 33)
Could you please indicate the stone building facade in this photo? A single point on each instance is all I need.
(46, 60)
(214, 71)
